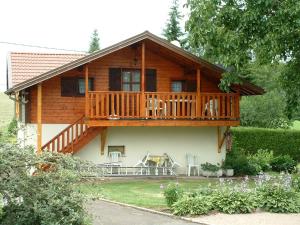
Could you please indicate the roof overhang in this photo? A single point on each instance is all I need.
(128, 42)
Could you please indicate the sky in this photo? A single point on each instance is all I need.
(69, 24)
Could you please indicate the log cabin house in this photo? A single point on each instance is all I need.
(145, 96)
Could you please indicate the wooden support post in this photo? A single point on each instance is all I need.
(221, 138)
(39, 118)
(17, 113)
(142, 104)
(103, 136)
(198, 102)
(86, 74)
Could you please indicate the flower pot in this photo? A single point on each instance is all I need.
(229, 172)
(207, 173)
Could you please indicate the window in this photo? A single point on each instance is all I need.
(74, 86)
(177, 86)
(116, 149)
(131, 80)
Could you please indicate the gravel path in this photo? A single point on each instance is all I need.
(261, 218)
(105, 213)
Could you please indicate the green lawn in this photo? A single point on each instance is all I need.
(141, 192)
(296, 125)
(6, 110)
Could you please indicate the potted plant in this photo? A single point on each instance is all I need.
(227, 168)
(211, 170)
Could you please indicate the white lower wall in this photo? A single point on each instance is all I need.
(175, 141)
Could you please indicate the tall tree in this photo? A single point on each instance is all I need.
(237, 32)
(173, 30)
(94, 44)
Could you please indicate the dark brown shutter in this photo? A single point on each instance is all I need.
(191, 86)
(114, 79)
(150, 80)
(68, 86)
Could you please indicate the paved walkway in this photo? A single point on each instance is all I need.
(105, 213)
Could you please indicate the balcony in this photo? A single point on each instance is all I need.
(162, 108)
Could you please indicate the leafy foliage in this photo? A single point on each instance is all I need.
(198, 205)
(277, 195)
(39, 189)
(173, 30)
(278, 141)
(261, 160)
(172, 193)
(236, 33)
(210, 167)
(12, 128)
(94, 44)
(283, 163)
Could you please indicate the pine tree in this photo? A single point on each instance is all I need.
(173, 31)
(94, 44)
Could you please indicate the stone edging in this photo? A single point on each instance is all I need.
(152, 211)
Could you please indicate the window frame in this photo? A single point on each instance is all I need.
(131, 82)
(74, 81)
(183, 82)
(122, 151)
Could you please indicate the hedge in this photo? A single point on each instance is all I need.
(280, 141)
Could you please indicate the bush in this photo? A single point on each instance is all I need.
(283, 163)
(237, 160)
(296, 183)
(198, 205)
(12, 128)
(279, 141)
(172, 193)
(261, 160)
(46, 197)
(210, 167)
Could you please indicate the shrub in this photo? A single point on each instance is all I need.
(198, 205)
(46, 197)
(237, 160)
(276, 194)
(172, 193)
(279, 141)
(210, 167)
(296, 183)
(261, 160)
(283, 163)
(12, 128)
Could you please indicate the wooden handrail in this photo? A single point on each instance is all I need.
(63, 140)
(163, 105)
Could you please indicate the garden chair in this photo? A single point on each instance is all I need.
(143, 165)
(173, 165)
(192, 164)
(114, 160)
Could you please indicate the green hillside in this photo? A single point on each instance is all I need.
(6, 109)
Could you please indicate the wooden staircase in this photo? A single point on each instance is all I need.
(72, 138)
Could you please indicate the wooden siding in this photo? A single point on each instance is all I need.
(61, 110)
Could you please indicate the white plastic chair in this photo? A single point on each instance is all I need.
(212, 106)
(173, 164)
(143, 164)
(192, 163)
(114, 160)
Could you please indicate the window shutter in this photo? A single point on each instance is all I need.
(114, 79)
(191, 86)
(68, 86)
(150, 80)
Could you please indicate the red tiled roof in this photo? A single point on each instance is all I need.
(25, 66)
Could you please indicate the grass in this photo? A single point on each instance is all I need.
(141, 192)
(296, 125)
(6, 110)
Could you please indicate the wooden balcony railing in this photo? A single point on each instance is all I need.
(163, 105)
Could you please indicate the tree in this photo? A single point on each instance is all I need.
(238, 32)
(173, 30)
(94, 44)
(48, 196)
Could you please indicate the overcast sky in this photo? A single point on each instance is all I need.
(69, 24)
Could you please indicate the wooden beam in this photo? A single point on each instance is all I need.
(103, 137)
(221, 138)
(143, 66)
(86, 74)
(162, 123)
(39, 118)
(198, 102)
(17, 102)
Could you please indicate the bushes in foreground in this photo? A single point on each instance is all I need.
(271, 194)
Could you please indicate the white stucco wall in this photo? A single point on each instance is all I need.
(175, 141)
